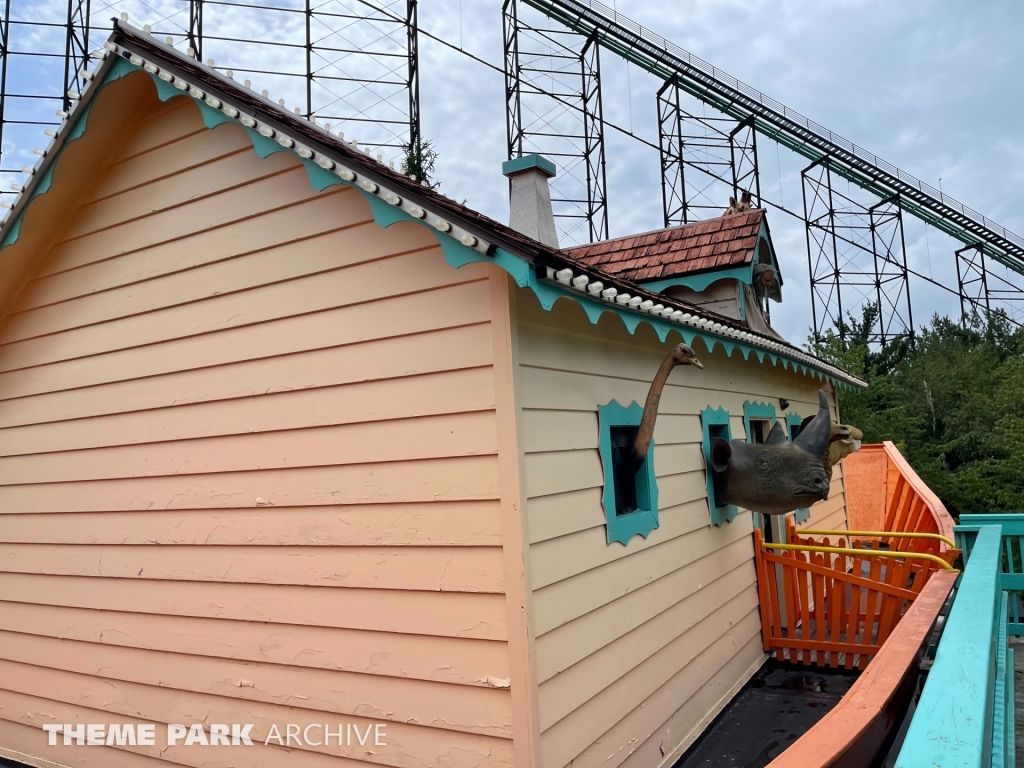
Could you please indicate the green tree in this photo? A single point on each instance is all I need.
(418, 161)
(953, 403)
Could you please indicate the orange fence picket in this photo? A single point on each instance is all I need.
(835, 608)
(883, 493)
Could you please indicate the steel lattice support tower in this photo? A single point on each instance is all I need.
(413, 75)
(972, 281)
(704, 160)
(194, 34)
(5, 41)
(856, 254)
(41, 59)
(985, 287)
(76, 47)
(357, 63)
(553, 98)
(889, 255)
(670, 152)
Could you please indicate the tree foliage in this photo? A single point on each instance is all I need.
(418, 161)
(953, 403)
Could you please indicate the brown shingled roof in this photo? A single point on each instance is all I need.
(728, 241)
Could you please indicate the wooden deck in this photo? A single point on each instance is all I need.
(1018, 691)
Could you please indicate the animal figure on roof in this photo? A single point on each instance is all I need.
(742, 206)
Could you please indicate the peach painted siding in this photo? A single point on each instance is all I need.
(248, 469)
(637, 647)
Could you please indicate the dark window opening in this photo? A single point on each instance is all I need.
(622, 439)
(794, 430)
(721, 431)
(759, 429)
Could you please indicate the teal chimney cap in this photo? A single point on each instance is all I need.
(534, 160)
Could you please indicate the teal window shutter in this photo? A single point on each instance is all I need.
(642, 517)
(715, 423)
(793, 425)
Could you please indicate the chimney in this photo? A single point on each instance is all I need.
(530, 200)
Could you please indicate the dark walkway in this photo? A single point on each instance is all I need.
(776, 707)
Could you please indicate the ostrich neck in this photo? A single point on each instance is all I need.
(646, 430)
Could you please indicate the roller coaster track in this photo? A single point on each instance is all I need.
(725, 93)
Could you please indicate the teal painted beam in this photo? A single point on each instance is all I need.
(952, 726)
(534, 160)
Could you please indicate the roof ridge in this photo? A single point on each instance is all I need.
(753, 212)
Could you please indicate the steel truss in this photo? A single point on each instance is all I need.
(51, 49)
(857, 254)
(354, 63)
(553, 94)
(738, 101)
(351, 63)
(704, 160)
(984, 287)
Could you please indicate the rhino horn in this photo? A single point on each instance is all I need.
(776, 436)
(815, 436)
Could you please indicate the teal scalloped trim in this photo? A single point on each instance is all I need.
(119, 69)
(456, 254)
(719, 417)
(701, 281)
(622, 528)
(756, 411)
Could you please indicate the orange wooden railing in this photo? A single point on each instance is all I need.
(832, 608)
(883, 493)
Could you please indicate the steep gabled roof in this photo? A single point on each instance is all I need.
(465, 235)
(726, 241)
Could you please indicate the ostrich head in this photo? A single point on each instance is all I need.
(683, 355)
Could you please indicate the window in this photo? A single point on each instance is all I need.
(758, 419)
(793, 421)
(715, 423)
(630, 502)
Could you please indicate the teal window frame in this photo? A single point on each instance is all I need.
(753, 411)
(793, 420)
(719, 418)
(803, 514)
(622, 528)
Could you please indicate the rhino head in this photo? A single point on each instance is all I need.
(778, 476)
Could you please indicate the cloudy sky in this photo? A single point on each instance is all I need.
(935, 88)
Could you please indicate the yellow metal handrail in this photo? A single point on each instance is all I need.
(860, 552)
(882, 535)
